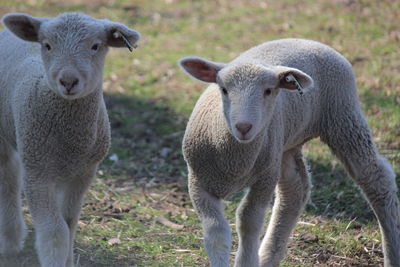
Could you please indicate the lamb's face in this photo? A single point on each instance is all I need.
(248, 93)
(248, 90)
(73, 48)
(73, 51)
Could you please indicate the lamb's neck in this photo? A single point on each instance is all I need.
(82, 111)
(68, 121)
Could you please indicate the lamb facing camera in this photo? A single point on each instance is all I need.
(54, 127)
(247, 131)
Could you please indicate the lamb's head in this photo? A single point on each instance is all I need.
(73, 48)
(248, 90)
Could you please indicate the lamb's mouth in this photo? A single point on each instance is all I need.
(244, 139)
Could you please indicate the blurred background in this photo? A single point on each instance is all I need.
(137, 213)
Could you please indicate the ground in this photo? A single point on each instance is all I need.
(137, 212)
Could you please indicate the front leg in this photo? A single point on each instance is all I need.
(217, 234)
(291, 196)
(250, 217)
(72, 193)
(52, 232)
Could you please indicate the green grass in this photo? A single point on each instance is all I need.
(149, 100)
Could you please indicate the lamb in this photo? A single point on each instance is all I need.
(54, 127)
(247, 131)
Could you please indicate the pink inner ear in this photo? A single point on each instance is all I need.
(207, 74)
(200, 71)
(23, 27)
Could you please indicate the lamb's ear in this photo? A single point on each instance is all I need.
(24, 26)
(201, 69)
(288, 77)
(118, 35)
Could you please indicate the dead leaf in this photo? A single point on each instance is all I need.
(168, 223)
(114, 241)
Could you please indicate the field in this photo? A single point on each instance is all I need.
(137, 212)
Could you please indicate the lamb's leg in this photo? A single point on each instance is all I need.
(291, 196)
(217, 234)
(351, 141)
(12, 226)
(250, 217)
(52, 232)
(72, 199)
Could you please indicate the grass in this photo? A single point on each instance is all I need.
(137, 213)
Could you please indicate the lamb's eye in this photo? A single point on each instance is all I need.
(224, 91)
(267, 92)
(95, 47)
(47, 46)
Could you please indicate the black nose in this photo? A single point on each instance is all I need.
(243, 128)
(69, 82)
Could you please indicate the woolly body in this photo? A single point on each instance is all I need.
(220, 163)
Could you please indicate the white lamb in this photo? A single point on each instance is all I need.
(247, 130)
(54, 127)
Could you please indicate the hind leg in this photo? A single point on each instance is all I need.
(351, 142)
(291, 196)
(12, 226)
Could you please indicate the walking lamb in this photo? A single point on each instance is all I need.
(247, 130)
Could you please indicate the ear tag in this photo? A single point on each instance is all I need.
(127, 43)
(291, 79)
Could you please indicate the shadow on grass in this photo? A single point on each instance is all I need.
(96, 256)
(336, 195)
(146, 141)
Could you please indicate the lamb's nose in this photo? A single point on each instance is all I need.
(69, 82)
(243, 127)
